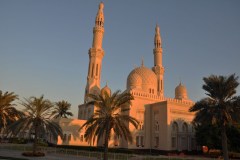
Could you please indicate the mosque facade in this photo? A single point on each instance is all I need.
(164, 123)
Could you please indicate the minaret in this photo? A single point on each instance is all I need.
(96, 54)
(158, 67)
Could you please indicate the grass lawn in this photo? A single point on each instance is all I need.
(10, 158)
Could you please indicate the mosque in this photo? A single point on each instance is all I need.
(165, 123)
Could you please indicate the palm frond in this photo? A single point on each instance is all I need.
(108, 116)
(221, 107)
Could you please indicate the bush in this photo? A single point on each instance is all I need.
(42, 143)
(214, 153)
(18, 140)
(31, 154)
(234, 155)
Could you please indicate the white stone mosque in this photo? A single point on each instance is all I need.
(165, 123)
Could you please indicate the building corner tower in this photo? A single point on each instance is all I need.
(158, 67)
(96, 54)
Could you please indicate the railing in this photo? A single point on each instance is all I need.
(63, 152)
(72, 154)
(159, 98)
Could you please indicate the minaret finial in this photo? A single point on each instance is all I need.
(157, 29)
(100, 16)
(98, 29)
(157, 39)
(142, 61)
(101, 6)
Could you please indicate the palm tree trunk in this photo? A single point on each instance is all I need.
(105, 156)
(35, 141)
(224, 143)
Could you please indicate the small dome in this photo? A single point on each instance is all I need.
(181, 92)
(106, 89)
(142, 77)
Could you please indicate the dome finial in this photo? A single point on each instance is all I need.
(142, 61)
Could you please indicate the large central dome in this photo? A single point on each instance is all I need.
(142, 78)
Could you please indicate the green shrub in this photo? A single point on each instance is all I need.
(18, 140)
(31, 154)
(234, 155)
(214, 153)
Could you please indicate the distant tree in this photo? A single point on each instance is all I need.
(221, 107)
(109, 116)
(61, 109)
(233, 133)
(37, 119)
(8, 112)
(210, 136)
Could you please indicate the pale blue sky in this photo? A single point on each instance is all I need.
(44, 44)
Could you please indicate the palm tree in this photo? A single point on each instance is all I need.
(8, 112)
(221, 107)
(109, 117)
(37, 120)
(62, 109)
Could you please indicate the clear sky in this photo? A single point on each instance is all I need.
(44, 44)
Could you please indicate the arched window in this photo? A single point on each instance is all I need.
(89, 112)
(81, 114)
(115, 140)
(84, 114)
(141, 126)
(141, 141)
(157, 141)
(161, 85)
(174, 135)
(184, 138)
(174, 127)
(184, 127)
(92, 69)
(137, 141)
(69, 137)
(156, 126)
(97, 70)
(64, 137)
(81, 138)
